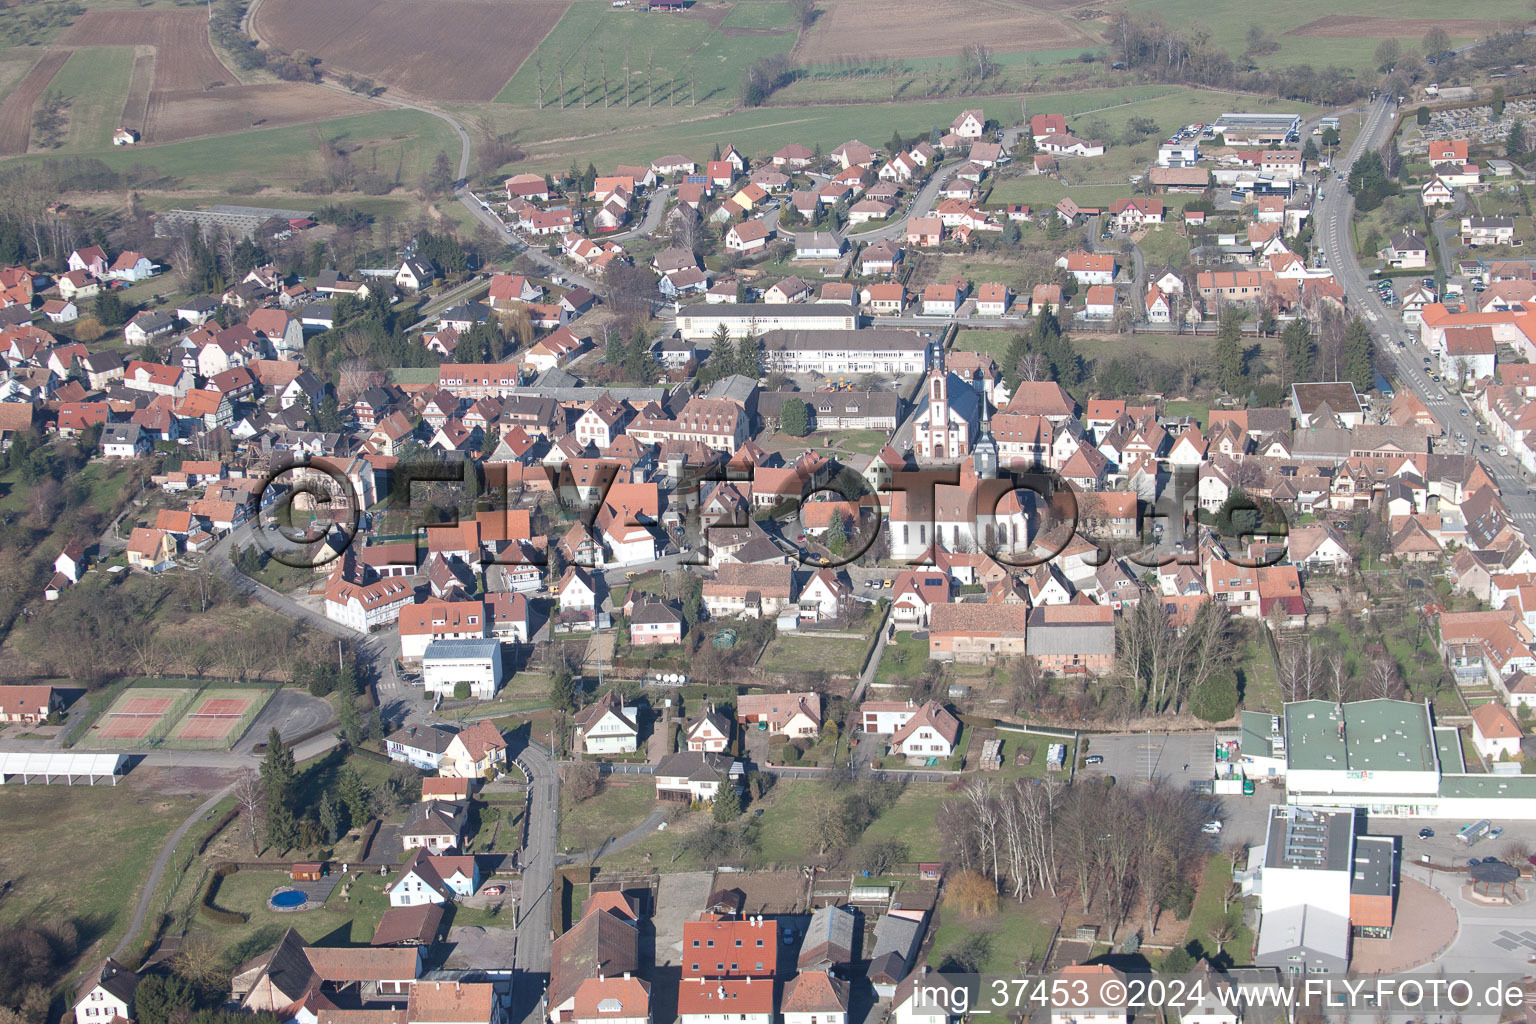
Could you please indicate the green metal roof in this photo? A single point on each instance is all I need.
(1254, 738)
(1448, 746)
(1516, 787)
(1378, 736)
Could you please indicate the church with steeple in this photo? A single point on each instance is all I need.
(952, 412)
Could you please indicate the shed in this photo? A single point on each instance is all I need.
(307, 871)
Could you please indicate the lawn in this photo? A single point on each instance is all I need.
(95, 79)
(1039, 743)
(1164, 245)
(1200, 411)
(622, 802)
(808, 653)
(344, 919)
(1016, 935)
(1261, 687)
(903, 661)
(592, 32)
(407, 140)
(1208, 914)
(990, 342)
(95, 884)
(912, 819)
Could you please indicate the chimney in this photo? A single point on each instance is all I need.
(626, 975)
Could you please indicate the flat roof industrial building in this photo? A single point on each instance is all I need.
(1385, 756)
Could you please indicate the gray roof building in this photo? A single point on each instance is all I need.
(829, 938)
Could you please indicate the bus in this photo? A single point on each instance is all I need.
(1475, 832)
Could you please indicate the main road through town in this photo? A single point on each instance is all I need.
(1334, 210)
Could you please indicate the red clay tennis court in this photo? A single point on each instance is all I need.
(213, 718)
(133, 718)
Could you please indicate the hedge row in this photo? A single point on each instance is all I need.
(212, 833)
(217, 914)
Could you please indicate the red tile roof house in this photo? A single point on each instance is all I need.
(748, 236)
(781, 714)
(931, 732)
(976, 633)
(914, 596)
(28, 703)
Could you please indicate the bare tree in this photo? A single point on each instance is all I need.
(251, 799)
(1300, 669)
(538, 78)
(1383, 679)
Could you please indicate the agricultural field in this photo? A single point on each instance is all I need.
(95, 79)
(396, 142)
(451, 50)
(1313, 32)
(16, 111)
(190, 91)
(715, 40)
(898, 29)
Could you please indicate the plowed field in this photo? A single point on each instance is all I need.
(463, 50)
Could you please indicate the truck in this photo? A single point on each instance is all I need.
(1471, 835)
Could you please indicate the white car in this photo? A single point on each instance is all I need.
(1211, 828)
(1502, 449)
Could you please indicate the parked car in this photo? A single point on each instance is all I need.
(1503, 449)
(1094, 759)
(1211, 828)
(1426, 833)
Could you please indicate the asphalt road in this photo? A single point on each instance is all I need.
(534, 937)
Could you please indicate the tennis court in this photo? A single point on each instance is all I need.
(138, 714)
(219, 718)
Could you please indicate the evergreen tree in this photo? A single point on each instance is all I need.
(110, 309)
(440, 178)
(1359, 355)
(562, 689)
(795, 418)
(837, 535)
(1498, 102)
(330, 822)
(1422, 116)
(748, 360)
(1229, 353)
(1514, 142)
(727, 805)
(277, 769)
(1215, 699)
(1296, 340)
(355, 796)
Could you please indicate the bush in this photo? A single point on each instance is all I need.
(461, 690)
(789, 754)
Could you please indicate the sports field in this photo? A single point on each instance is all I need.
(218, 718)
(190, 718)
(141, 716)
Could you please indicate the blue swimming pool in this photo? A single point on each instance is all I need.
(288, 899)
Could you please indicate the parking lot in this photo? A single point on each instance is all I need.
(1170, 757)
